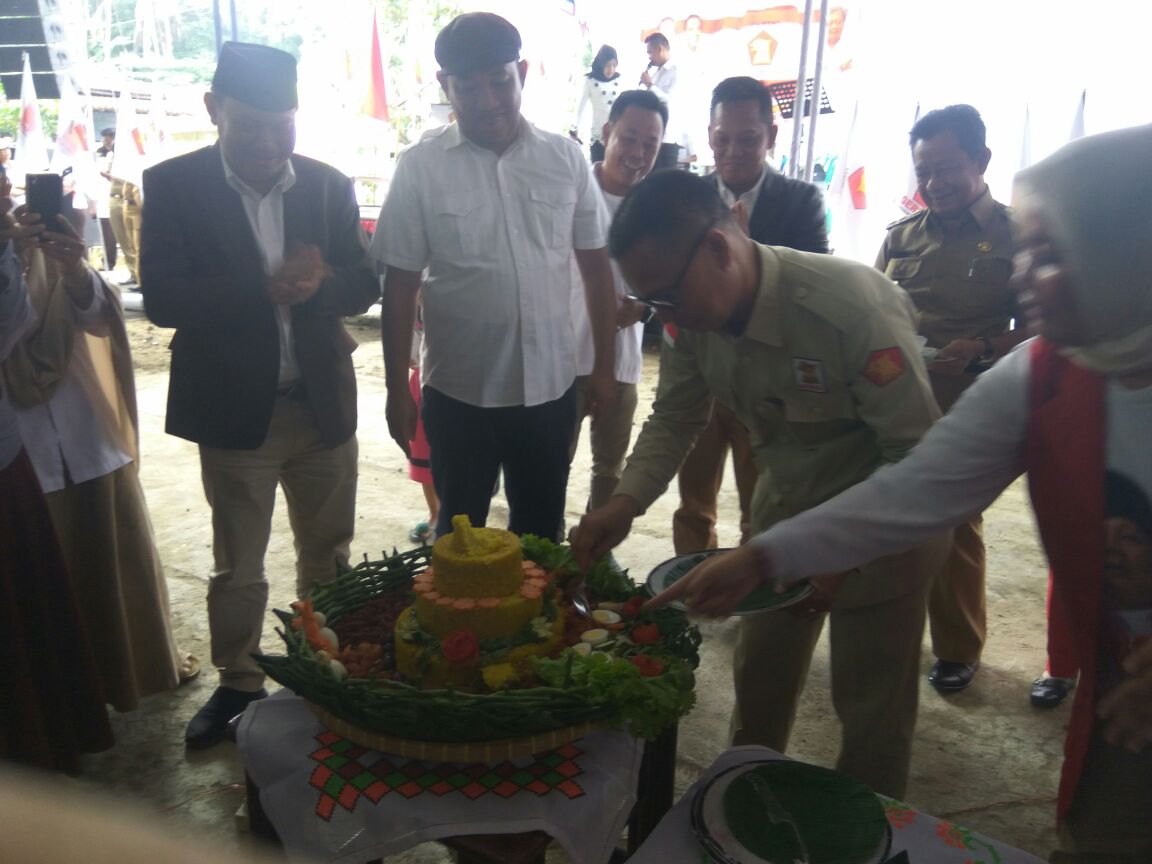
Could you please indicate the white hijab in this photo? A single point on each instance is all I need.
(1096, 196)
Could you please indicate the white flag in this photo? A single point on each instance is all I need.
(31, 149)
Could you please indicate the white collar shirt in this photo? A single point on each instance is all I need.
(266, 216)
(496, 233)
(629, 340)
(663, 83)
(748, 199)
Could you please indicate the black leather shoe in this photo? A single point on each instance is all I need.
(210, 724)
(1048, 692)
(951, 677)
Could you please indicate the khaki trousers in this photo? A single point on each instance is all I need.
(126, 240)
(876, 624)
(700, 478)
(957, 614)
(610, 435)
(319, 486)
(132, 221)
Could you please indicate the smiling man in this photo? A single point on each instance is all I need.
(954, 260)
(495, 209)
(818, 357)
(632, 140)
(254, 255)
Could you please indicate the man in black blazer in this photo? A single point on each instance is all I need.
(253, 255)
(778, 211)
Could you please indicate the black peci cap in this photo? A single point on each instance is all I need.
(476, 40)
(256, 75)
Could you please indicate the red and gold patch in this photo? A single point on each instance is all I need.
(884, 366)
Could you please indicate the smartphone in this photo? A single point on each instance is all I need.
(45, 196)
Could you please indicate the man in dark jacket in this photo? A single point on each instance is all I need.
(777, 211)
(254, 255)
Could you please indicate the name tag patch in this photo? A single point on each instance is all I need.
(809, 374)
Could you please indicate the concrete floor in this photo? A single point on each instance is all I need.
(983, 757)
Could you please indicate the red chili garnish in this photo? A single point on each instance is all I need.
(460, 646)
(649, 667)
(645, 634)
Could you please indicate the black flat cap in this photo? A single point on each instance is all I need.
(256, 75)
(476, 40)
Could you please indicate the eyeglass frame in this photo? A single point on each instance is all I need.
(656, 305)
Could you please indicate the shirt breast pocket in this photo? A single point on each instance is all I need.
(987, 289)
(551, 213)
(461, 228)
(905, 271)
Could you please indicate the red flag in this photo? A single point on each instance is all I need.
(857, 189)
(376, 103)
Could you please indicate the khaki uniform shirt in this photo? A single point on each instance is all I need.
(827, 377)
(957, 275)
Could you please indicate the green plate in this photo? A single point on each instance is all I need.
(762, 599)
(781, 812)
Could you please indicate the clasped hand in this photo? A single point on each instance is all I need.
(299, 277)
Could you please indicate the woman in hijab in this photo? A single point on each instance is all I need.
(69, 380)
(1066, 407)
(51, 692)
(601, 87)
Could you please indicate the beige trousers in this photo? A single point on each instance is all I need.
(611, 434)
(319, 486)
(876, 624)
(700, 478)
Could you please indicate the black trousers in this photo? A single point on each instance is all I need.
(470, 445)
(596, 151)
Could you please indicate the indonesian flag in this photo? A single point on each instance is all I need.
(31, 150)
(376, 101)
(74, 145)
(912, 202)
(128, 163)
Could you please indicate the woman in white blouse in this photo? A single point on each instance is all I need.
(601, 87)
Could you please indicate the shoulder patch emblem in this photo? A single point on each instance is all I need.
(670, 333)
(884, 366)
(809, 374)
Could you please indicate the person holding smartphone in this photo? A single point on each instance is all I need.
(79, 427)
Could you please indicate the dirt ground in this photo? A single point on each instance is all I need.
(984, 757)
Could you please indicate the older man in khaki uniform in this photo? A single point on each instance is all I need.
(954, 260)
(818, 357)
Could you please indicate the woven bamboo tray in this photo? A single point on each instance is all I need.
(483, 752)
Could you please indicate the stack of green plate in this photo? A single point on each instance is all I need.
(783, 812)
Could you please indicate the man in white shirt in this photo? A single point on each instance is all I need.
(494, 209)
(631, 139)
(660, 78)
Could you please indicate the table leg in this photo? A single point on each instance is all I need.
(655, 788)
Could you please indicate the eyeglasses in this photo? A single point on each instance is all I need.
(666, 300)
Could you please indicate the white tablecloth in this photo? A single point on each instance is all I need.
(927, 840)
(332, 801)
